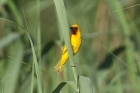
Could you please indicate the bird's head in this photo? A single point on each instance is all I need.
(74, 28)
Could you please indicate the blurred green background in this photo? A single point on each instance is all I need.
(109, 54)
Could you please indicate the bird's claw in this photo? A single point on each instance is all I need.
(73, 65)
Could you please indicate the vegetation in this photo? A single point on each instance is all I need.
(32, 34)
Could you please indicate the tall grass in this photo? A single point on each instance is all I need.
(32, 35)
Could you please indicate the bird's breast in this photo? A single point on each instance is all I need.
(76, 43)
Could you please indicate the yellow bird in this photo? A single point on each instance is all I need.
(75, 42)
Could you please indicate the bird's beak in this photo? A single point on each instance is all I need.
(71, 28)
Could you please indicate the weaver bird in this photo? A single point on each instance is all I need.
(75, 43)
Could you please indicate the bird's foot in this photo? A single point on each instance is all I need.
(73, 65)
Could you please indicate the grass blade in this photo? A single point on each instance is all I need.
(62, 84)
(62, 16)
(13, 68)
(84, 85)
(8, 39)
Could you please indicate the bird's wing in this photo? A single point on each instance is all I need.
(65, 49)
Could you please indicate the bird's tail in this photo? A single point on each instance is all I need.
(59, 66)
